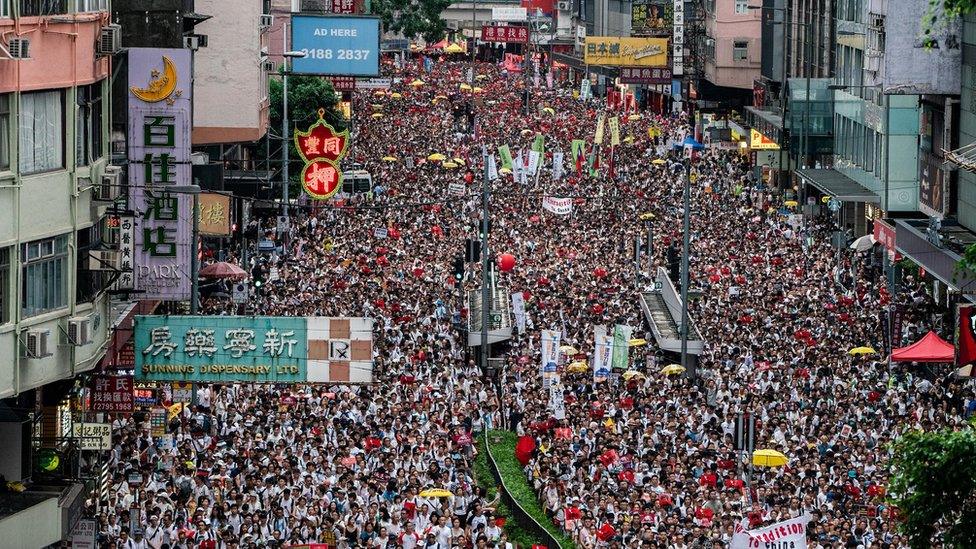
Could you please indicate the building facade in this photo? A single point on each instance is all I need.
(55, 186)
(733, 50)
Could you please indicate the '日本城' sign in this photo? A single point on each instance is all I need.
(260, 349)
(322, 148)
(159, 159)
(505, 33)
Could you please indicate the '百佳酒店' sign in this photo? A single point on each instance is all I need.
(159, 158)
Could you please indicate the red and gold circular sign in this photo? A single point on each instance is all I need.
(321, 179)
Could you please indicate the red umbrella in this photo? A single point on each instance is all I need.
(222, 270)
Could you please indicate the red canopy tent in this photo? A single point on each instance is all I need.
(930, 348)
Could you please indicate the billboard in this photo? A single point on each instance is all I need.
(919, 61)
(214, 214)
(509, 14)
(626, 51)
(651, 18)
(159, 125)
(336, 45)
(259, 349)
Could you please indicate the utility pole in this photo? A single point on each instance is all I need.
(685, 250)
(284, 125)
(485, 261)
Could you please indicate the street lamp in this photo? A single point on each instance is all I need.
(193, 190)
(284, 128)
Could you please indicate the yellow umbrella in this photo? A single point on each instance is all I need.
(379, 92)
(440, 97)
(396, 95)
(568, 350)
(377, 106)
(637, 342)
(862, 351)
(377, 115)
(389, 159)
(477, 90)
(791, 203)
(436, 157)
(454, 48)
(481, 77)
(659, 161)
(435, 493)
(548, 110)
(673, 369)
(634, 117)
(416, 83)
(768, 458)
(629, 139)
(578, 367)
(646, 215)
(631, 374)
(450, 165)
(458, 161)
(825, 199)
(465, 87)
(527, 131)
(504, 170)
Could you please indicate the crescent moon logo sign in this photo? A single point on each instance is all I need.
(161, 86)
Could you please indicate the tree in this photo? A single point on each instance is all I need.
(940, 12)
(413, 18)
(934, 487)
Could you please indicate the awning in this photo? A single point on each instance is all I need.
(835, 184)
(913, 240)
(930, 348)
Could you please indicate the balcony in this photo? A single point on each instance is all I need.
(30, 8)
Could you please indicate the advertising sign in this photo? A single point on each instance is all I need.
(83, 534)
(760, 142)
(931, 185)
(374, 83)
(127, 249)
(650, 18)
(159, 157)
(214, 214)
(336, 45)
(322, 148)
(620, 51)
(509, 14)
(645, 75)
(678, 39)
(505, 33)
(343, 83)
(884, 234)
(93, 436)
(111, 394)
(258, 349)
(966, 351)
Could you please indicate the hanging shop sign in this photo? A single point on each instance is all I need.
(678, 38)
(214, 214)
(159, 158)
(505, 33)
(322, 148)
(626, 51)
(111, 394)
(760, 142)
(262, 349)
(645, 75)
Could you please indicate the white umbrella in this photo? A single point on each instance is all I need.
(863, 244)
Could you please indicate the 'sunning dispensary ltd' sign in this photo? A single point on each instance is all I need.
(260, 349)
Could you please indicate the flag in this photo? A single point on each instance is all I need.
(598, 136)
(492, 168)
(550, 356)
(534, 162)
(603, 353)
(557, 165)
(506, 156)
(621, 338)
(610, 170)
(578, 148)
(593, 162)
(614, 123)
(539, 144)
(518, 309)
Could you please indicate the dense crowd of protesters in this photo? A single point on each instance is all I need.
(642, 463)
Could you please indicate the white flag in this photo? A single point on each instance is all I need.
(533, 162)
(557, 165)
(492, 169)
(518, 309)
(550, 356)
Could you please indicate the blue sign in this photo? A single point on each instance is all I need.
(336, 45)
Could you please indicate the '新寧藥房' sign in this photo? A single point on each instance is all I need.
(260, 349)
(159, 158)
(336, 45)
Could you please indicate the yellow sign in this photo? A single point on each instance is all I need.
(161, 85)
(215, 214)
(624, 51)
(760, 142)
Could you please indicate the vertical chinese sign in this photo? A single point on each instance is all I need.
(159, 157)
(322, 148)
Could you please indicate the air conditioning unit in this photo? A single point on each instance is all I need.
(103, 260)
(266, 21)
(36, 344)
(195, 41)
(564, 6)
(108, 188)
(268, 66)
(110, 40)
(79, 331)
(19, 48)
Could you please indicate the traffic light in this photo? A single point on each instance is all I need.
(257, 275)
(472, 250)
(458, 268)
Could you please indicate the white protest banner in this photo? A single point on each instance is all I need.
(380, 232)
(558, 206)
(740, 537)
(550, 356)
(518, 309)
(790, 533)
(557, 403)
(492, 168)
(557, 165)
(602, 357)
(456, 188)
(533, 162)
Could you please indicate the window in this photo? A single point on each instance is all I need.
(741, 7)
(44, 270)
(4, 285)
(41, 131)
(88, 124)
(5, 9)
(869, 150)
(42, 7)
(740, 50)
(92, 5)
(4, 131)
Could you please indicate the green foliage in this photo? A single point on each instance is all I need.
(413, 18)
(967, 264)
(934, 486)
(484, 478)
(941, 11)
(503, 450)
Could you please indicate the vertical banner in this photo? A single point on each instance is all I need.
(602, 356)
(127, 249)
(614, 124)
(621, 347)
(557, 165)
(966, 352)
(159, 124)
(557, 403)
(598, 136)
(534, 158)
(492, 168)
(550, 356)
(578, 149)
(584, 92)
(518, 310)
(506, 155)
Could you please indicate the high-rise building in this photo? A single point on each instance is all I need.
(732, 50)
